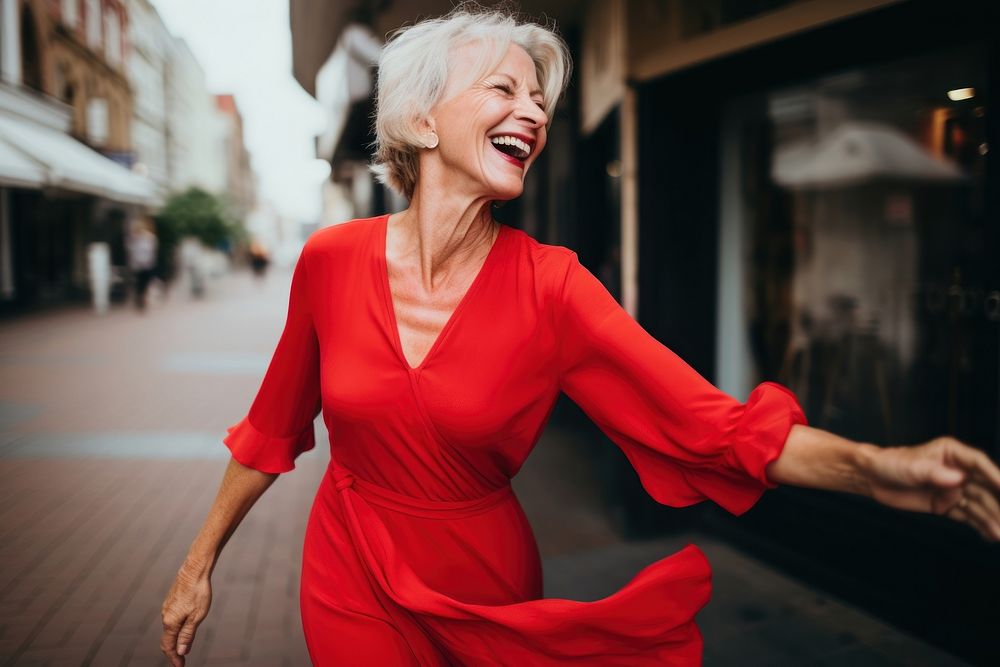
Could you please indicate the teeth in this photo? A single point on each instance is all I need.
(524, 150)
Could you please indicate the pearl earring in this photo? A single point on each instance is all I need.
(432, 142)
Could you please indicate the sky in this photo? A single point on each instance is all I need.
(245, 48)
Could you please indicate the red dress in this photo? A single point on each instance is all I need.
(417, 552)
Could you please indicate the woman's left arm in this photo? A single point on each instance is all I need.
(943, 476)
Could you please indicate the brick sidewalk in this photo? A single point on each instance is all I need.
(110, 447)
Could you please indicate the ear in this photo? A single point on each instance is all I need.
(425, 125)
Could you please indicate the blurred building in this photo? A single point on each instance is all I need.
(65, 106)
(147, 63)
(196, 131)
(205, 150)
(85, 43)
(240, 181)
(790, 190)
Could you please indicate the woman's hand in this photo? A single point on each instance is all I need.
(185, 606)
(942, 476)
(190, 596)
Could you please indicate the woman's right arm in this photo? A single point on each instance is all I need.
(274, 432)
(188, 601)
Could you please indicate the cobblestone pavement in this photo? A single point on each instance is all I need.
(111, 454)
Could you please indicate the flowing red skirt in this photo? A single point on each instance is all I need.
(427, 583)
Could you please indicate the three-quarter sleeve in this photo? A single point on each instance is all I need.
(279, 425)
(687, 440)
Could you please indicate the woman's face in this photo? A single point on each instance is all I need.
(491, 132)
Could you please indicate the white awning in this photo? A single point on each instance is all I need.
(68, 163)
(18, 170)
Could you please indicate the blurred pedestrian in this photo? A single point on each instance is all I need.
(142, 245)
(259, 258)
(194, 262)
(435, 342)
(99, 274)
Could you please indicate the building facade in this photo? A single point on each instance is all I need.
(147, 62)
(65, 192)
(241, 188)
(196, 152)
(85, 43)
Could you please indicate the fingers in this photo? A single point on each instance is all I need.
(933, 471)
(961, 515)
(976, 461)
(978, 509)
(168, 640)
(982, 487)
(186, 636)
(178, 635)
(984, 506)
(941, 475)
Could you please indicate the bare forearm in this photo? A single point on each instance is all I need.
(817, 459)
(240, 488)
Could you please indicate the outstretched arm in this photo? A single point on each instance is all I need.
(942, 476)
(690, 441)
(817, 459)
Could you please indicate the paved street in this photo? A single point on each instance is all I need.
(111, 453)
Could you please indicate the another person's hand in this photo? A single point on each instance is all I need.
(943, 476)
(185, 606)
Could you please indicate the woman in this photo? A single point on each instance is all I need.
(435, 342)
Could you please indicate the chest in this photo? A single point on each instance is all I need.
(469, 366)
(421, 315)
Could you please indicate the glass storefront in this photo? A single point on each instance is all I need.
(869, 284)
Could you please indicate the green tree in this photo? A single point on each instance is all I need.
(195, 212)
(201, 214)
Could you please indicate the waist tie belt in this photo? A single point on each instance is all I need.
(431, 509)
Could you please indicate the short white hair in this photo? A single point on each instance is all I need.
(413, 70)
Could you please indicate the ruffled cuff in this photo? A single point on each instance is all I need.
(771, 411)
(267, 453)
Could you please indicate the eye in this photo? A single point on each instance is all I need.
(504, 87)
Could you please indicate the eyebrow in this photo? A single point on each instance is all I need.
(536, 91)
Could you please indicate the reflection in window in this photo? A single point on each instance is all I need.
(869, 276)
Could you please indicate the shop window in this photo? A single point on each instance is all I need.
(97, 121)
(113, 39)
(870, 281)
(93, 19)
(63, 84)
(70, 13)
(31, 55)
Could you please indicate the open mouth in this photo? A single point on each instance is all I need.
(511, 146)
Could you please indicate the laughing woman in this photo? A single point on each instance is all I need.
(435, 342)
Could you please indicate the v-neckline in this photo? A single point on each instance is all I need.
(383, 263)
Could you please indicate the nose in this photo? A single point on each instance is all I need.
(528, 110)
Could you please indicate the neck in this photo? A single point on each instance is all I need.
(442, 229)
